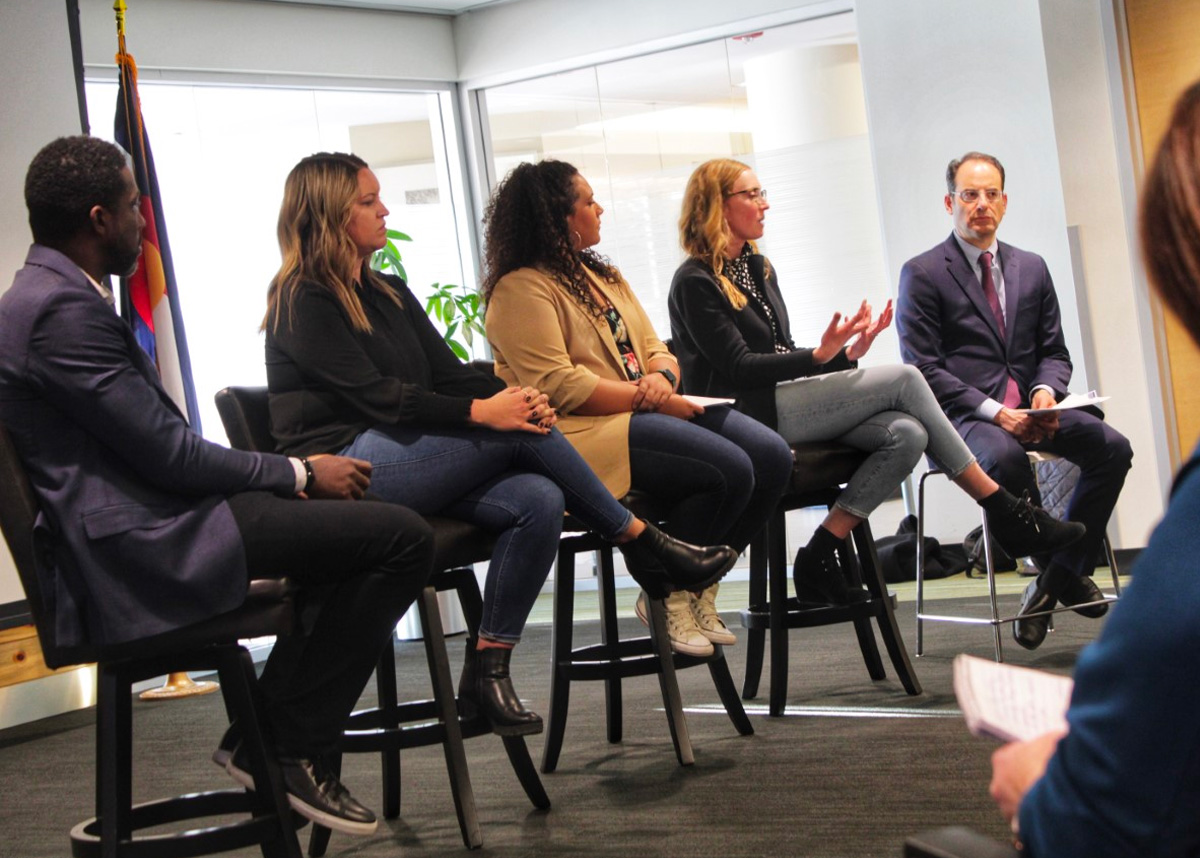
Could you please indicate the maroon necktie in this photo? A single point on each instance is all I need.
(1012, 394)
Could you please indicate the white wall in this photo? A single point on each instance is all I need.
(966, 87)
(36, 108)
(1117, 316)
(240, 37)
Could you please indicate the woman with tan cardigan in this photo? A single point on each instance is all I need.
(562, 319)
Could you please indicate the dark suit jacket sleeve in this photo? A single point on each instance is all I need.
(919, 327)
(79, 358)
(709, 318)
(1054, 361)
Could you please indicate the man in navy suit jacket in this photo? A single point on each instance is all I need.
(980, 319)
(147, 526)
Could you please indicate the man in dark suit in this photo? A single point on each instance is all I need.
(980, 319)
(149, 527)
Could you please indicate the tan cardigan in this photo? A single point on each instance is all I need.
(542, 337)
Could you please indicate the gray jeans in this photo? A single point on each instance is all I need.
(887, 411)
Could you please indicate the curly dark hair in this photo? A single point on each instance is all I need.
(65, 180)
(526, 226)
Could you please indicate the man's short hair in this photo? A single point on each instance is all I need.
(952, 168)
(65, 180)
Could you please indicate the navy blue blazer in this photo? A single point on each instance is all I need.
(947, 329)
(138, 537)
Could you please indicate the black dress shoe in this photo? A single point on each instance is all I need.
(313, 791)
(1023, 529)
(662, 564)
(487, 684)
(1079, 590)
(1030, 632)
(818, 578)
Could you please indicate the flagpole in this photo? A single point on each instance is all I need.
(177, 684)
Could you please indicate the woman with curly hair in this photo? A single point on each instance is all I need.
(730, 330)
(354, 367)
(562, 319)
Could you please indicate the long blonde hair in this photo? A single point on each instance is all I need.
(314, 241)
(703, 231)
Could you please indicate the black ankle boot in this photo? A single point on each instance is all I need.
(818, 577)
(486, 683)
(662, 564)
(1023, 529)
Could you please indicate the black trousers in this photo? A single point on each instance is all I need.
(1102, 453)
(360, 565)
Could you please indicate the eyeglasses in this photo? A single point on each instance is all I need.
(753, 194)
(972, 195)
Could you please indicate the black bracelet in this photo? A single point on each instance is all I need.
(309, 476)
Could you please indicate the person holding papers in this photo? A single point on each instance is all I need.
(980, 320)
(730, 329)
(561, 318)
(1124, 782)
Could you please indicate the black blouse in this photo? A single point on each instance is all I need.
(329, 383)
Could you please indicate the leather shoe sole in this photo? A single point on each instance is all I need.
(1030, 632)
(1081, 590)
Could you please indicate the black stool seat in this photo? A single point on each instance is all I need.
(615, 658)
(820, 469)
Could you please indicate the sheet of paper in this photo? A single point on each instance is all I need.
(706, 401)
(1007, 702)
(1071, 400)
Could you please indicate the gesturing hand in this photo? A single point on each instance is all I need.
(514, 409)
(840, 330)
(859, 347)
(338, 477)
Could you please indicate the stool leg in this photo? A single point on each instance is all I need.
(238, 687)
(560, 654)
(609, 635)
(718, 669)
(889, 629)
(777, 575)
(668, 682)
(756, 639)
(990, 566)
(1111, 557)
(114, 747)
(862, 625)
(444, 700)
(518, 757)
(389, 713)
(921, 564)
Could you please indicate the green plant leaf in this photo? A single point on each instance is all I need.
(462, 353)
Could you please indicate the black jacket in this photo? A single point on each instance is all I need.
(728, 352)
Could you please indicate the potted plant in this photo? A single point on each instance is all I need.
(455, 309)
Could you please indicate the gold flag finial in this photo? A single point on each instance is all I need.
(119, 7)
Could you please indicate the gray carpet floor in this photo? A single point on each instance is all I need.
(852, 768)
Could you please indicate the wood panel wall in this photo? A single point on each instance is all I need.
(1164, 44)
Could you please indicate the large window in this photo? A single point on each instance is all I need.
(222, 154)
(787, 101)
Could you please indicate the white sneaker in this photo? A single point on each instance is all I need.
(686, 637)
(704, 609)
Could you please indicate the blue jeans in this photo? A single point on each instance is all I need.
(721, 472)
(514, 484)
(887, 411)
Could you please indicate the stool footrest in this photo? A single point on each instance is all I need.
(759, 616)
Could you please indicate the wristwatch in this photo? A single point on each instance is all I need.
(671, 377)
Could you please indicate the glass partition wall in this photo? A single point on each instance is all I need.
(222, 154)
(787, 101)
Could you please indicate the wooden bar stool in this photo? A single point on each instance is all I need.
(819, 471)
(391, 725)
(614, 658)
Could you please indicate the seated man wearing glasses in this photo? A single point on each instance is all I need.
(980, 319)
